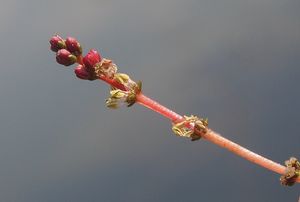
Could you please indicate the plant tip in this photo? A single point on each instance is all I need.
(64, 57)
(57, 43)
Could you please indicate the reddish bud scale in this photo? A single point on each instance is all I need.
(91, 58)
(64, 57)
(73, 46)
(57, 43)
(82, 73)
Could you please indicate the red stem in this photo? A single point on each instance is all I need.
(210, 135)
(214, 137)
(80, 59)
(155, 106)
(113, 83)
(243, 152)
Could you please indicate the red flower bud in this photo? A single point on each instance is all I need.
(64, 57)
(81, 72)
(57, 43)
(73, 46)
(91, 58)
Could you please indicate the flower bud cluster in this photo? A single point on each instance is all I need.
(86, 70)
(67, 50)
(92, 66)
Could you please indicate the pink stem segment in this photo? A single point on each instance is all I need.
(210, 135)
(214, 137)
(113, 83)
(155, 106)
(243, 152)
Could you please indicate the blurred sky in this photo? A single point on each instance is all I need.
(233, 61)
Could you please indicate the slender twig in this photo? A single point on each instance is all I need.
(214, 137)
(92, 67)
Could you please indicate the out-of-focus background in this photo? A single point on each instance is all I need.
(236, 62)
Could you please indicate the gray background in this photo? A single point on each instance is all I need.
(233, 61)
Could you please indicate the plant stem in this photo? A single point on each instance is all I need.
(243, 152)
(113, 83)
(207, 133)
(155, 106)
(214, 137)
(80, 59)
(210, 135)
